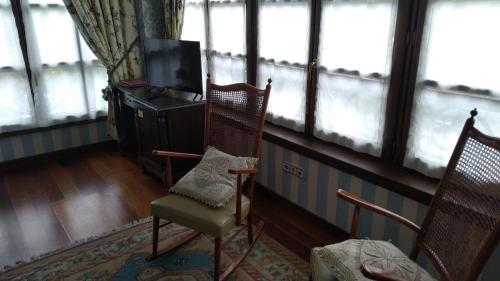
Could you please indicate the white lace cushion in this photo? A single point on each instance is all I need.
(342, 261)
(209, 182)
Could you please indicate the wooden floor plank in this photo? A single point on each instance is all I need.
(57, 201)
(11, 243)
(31, 197)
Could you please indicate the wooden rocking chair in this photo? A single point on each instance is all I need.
(234, 120)
(460, 230)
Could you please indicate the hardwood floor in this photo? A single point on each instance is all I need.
(49, 204)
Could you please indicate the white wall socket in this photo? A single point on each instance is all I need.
(292, 169)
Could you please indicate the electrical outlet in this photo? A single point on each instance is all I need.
(292, 169)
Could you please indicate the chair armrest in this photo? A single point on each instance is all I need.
(177, 154)
(377, 209)
(239, 171)
(376, 273)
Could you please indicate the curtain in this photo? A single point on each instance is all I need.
(283, 56)
(227, 41)
(193, 29)
(458, 71)
(16, 104)
(109, 27)
(355, 56)
(174, 15)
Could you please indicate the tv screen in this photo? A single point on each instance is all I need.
(173, 64)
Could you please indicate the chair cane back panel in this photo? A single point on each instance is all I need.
(462, 226)
(234, 118)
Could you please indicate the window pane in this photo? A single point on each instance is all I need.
(193, 29)
(16, 105)
(355, 63)
(68, 77)
(283, 51)
(459, 67)
(63, 93)
(96, 80)
(58, 45)
(227, 33)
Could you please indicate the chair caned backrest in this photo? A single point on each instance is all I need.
(462, 226)
(234, 117)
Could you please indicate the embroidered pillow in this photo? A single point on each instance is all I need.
(209, 182)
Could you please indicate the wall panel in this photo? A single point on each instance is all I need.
(51, 140)
(316, 192)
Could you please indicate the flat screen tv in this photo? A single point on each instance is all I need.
(173, 64)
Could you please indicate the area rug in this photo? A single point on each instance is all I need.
(122, 254)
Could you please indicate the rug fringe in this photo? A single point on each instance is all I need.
(76, 243)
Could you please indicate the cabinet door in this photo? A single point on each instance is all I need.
(184, 133)
(148, 139)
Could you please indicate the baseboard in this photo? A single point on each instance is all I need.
(337, 232)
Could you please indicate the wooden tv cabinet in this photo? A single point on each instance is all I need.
(150, 118)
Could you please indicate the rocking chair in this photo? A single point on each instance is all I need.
(234, 120)
(459, 232)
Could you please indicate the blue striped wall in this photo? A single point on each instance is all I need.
(316, 192)
(41, 142)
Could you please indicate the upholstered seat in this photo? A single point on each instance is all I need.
(193, 214)
(342, 261)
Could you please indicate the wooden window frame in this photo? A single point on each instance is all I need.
(388, 170)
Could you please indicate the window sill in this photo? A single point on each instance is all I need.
(398, 179)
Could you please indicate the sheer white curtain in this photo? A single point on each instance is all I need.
(459, 70)
(354, 67)
(16, 104)
(67, 76)
(283, 54)
(227, 55)
(193, 29)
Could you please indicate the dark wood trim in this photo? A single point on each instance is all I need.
(41, 158)
(405, 106)
(399, 73)
(252, 29)
(395, 178)
(53, 127)
(312, 73)
(18, 17)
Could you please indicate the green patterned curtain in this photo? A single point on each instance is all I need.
(173, 11)
(109, 27)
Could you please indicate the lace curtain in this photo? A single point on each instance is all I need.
(283, 54)
(225, 57)
(227, 41)
(16, 104)
(459, 70)
(354, 67)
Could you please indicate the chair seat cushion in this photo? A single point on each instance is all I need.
(198, 216)
(343, 261)
(210, 182)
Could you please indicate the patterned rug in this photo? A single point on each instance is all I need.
(121, 256)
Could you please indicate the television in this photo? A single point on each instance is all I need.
(173, 64)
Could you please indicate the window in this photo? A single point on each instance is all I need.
(66, 76)
(225, 58)
(283, 56)
(394, 79)
(193, 29)
(16, 104)
(227, 41)
(459, 69)
(354, 71)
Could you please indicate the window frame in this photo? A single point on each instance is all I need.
(388, 169)
(17, 12)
